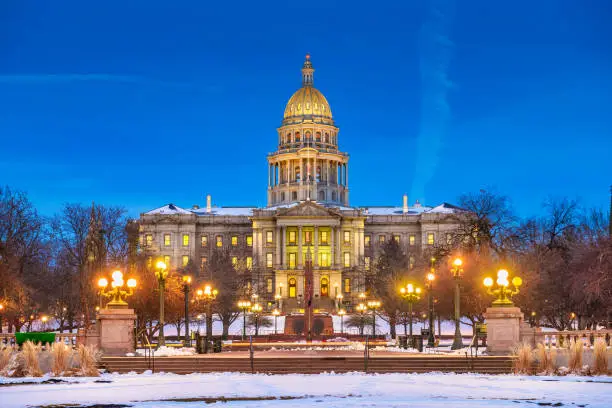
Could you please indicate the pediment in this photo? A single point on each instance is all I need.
(307, 209)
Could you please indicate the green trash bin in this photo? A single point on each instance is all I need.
(35, 337)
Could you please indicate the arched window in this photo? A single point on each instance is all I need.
(321, 195)
(318, 137)
(333, 196)
(294, 196)
(318, 174)
(297, 137)
(324, 286)
(288, 138)
(308, 136)
(297, 175)
(282, 196)
(326, 138)
(292, 287)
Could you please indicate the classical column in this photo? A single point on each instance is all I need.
(299, 247)
(278, 247)
(332, 247)
(316, 247)
(338, 246)
(346, 172)
(255, 249)
(269, 174)
(284, 248)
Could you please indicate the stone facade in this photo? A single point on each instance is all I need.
(308, 210)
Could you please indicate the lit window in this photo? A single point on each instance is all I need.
(249, 240)
(269, 260)
(347, 285)
(203, 261)
(324, 259)
(234, 260)
(269, 285)
(269, 239)
(234, 240)
(381, 239)
(430, 238)
(366, 241)
(292, 237)
(185, 260)
(412, 239)
(347, 260)
(249, 262)
(219, 241)
(149, 240)
(166, 239)
(324, 237)
(308, 237)
(396, 238)
(347, 237)
(204, 241)
(366, 261)
(291, 261)
(185, 240)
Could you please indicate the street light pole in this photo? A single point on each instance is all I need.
(244, 305)
(411, 294)
(430, 279)
(374, 304)
(275, 312)
(161, 273)
(341, 312)
(361, 308)
(457, 271)
(186, 284)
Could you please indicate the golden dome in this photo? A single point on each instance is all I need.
(307, 103)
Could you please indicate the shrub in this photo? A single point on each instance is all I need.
(30, 353)
(600, 357)
(575, 357)
(524, 358)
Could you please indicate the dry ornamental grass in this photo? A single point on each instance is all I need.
(600, 357)
(575, 357)
(524, 358)
(31, 355)
(60, 354)
(88, 361)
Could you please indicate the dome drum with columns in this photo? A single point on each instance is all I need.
(307, 164)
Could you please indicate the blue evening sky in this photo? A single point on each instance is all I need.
(141, 103)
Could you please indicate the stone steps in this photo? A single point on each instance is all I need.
(311, 365)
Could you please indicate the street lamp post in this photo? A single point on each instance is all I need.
(244, 305)
(341, 312)
(256, 309)
(457, 271)
(208, 295)
(373, 304)
(161, 273)
(361, 309)
(430, 279)
(186, 285)
(275, 313)
(411, 294)
(339, 298)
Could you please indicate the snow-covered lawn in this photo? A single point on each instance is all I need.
(329, 390)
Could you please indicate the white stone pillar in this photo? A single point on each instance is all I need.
(284, 248)
(316, 247)
(278, 247)
(299, 260)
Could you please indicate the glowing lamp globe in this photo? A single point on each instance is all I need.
(102, 282)
(488, 282)
(517, 281)
(131, 283)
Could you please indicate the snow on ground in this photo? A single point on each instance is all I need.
(332, 390)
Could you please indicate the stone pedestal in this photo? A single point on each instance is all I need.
(503, 329)
(115, 329)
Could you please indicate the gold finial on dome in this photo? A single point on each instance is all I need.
(307, 72)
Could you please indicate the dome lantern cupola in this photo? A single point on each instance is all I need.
(307, 72)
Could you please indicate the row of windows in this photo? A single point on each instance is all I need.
(297, 137)
(235, 239)
(323, 239)
(431, 239)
